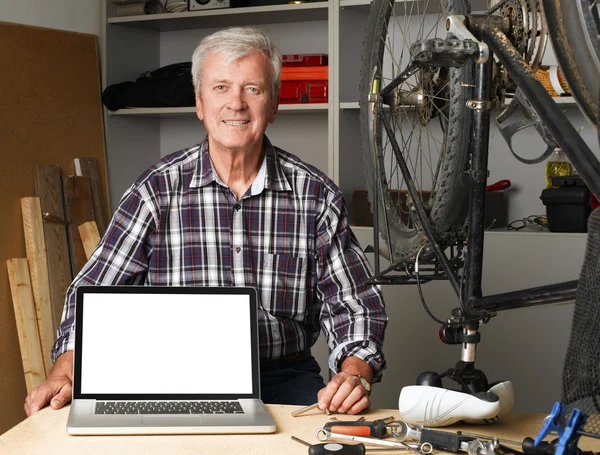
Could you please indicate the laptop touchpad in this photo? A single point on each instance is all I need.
(171, 420)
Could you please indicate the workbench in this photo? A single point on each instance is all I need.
(45, 433)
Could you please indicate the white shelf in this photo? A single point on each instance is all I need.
(350, 3)
(350, 105)
(476, 5)
(188, 111)
(271, 14)
(564, 100)
(307, 108)
(155, 112)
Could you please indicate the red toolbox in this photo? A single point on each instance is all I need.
(304, 73)
(304, 60)
(304, 79)
(293, 92)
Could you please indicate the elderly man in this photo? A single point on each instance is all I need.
(237, 211)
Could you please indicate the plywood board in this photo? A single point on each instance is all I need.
(26, 320)
(48, 188)
(38, 270)
(50, 110)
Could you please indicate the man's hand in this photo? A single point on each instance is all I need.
(345, 393)
(57, 388)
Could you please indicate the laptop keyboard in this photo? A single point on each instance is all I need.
(168, 407)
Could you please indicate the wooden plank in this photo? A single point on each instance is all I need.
(48, 188)
(64, 66)
(27, 328)
(88, 167)
(38, 269)
(78, 209)
(89, 237)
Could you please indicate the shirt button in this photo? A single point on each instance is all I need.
(237, 249)
(237, 207)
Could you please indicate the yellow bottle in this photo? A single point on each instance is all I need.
(558, 165)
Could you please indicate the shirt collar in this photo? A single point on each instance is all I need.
(270, 176)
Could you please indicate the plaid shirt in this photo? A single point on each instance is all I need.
(287, 236)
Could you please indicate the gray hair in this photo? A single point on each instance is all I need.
(234, 43)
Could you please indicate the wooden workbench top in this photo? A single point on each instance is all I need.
(45, 433)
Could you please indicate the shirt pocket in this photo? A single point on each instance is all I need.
(281, 282)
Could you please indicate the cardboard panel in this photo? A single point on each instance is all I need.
(50, 112)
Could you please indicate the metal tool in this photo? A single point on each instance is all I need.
(465, 441)
(478, 447)
(306, 409)
(423, 449)
(360, 419)
(49, 218)
(443, 440)
(404, 431)
(377, 428)
(332, 448)
(483, 436)
(527, 445)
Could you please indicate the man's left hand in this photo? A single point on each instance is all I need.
(345, 392)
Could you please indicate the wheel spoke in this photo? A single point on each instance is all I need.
(417, 109)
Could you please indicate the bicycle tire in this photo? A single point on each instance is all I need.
(447, 206)
(574, 33)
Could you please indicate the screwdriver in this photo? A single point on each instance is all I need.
(333, 448)
(375, 429)
(527, 445)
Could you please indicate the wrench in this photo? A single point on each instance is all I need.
(422, 449)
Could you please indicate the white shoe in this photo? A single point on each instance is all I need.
(506, 394)
(437, 407)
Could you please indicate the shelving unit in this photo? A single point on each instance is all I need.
(136, 138)
(270, 14)
(135, 44)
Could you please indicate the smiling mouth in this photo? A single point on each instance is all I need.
(236, 122)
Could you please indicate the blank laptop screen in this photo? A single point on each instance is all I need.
(138, 343)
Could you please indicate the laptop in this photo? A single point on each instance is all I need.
(166, 360)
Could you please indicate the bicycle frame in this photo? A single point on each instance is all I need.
(489, 30)
(564, 133)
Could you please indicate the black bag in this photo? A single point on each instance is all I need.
(169, 86)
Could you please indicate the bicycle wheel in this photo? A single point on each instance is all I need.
(575, 34)
(430, 120)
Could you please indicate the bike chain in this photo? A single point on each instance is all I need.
(518, 28)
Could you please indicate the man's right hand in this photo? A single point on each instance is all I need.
(57, 388)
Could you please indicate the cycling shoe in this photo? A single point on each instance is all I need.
(438, 407)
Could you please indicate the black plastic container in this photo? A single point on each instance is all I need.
(568, 205)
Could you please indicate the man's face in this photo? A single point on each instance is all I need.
(235, 101)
